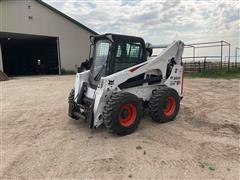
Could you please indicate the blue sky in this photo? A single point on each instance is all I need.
(159, 22)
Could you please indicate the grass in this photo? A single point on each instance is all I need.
(223, 74)
(66, 72)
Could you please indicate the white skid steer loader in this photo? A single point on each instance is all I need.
(121, 79)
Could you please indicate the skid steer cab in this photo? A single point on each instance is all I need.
(121, 79)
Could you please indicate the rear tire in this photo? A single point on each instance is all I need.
(122, 113)
(164, 104)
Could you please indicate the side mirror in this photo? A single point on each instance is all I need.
(90, 62)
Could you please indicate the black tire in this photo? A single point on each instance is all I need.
(164, 104)
(71, 95)
(71, 104)
(122, 113)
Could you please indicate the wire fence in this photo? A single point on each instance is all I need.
(207, 63)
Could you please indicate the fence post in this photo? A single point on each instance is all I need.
(236, 57)
(221, 53)
(199, 68)
(228, 64)
(229, 56)
(204, 64)
(236, 54)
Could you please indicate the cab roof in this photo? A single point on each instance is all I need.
(117, 38)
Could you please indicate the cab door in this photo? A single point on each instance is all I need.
(128, 54)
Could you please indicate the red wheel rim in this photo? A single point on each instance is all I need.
(130, 115)
(170, 106)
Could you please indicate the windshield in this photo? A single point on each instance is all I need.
(99, 59)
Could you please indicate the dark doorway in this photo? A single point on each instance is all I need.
(30, 56)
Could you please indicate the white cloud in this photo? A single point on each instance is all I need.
(159, 21)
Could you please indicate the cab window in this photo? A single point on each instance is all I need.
(127, 54)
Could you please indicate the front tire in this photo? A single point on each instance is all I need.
(164, 104)
(122, 113)
(71, 104)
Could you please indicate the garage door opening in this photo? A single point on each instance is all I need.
(29, 55)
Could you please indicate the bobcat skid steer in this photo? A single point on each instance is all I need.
(121, 79)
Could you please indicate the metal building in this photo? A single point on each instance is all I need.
(35, 38)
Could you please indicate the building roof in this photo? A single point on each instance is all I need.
(67, 17)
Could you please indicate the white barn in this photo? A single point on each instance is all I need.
(35, 38)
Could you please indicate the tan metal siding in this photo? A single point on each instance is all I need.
(1, 65)
(73, 40)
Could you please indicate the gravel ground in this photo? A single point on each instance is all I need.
(39, 141)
